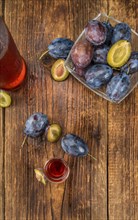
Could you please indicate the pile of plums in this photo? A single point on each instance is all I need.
(104, 58)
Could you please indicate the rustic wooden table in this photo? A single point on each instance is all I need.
(96, 190)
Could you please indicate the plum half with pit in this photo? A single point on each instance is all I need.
(58, 71)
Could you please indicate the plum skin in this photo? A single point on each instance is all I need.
(95, 32)
(74, 145)
(36, 125)
(82, 53)
(118, 87)
(97, 75)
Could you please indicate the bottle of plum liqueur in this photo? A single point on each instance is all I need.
(55, 170)
(12, 65)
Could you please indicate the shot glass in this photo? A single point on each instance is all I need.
(56, 170)
(12, 65)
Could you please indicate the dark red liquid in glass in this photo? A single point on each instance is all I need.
(56, 170)
(12, 66)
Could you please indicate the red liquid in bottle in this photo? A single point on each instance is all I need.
(12, 66)
(56, 170)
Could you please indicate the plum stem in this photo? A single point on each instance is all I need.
(92, 156)
(24, 140)
(38, 56)
(44, 53)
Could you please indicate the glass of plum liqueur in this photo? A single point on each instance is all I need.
(56, 170)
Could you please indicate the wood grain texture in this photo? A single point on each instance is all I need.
(77, 110)
(106, 189)
(123, 139)
(2, 149)
(2, 174)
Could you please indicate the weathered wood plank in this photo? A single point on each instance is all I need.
(123, 140)
(84, 195)
(2, 176)
(2, 149)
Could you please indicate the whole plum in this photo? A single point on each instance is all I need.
(100, 54)
(74, 145)
(82, 53)
(36, 125)
(60, 47)
(80, 71)
(95, 32)
(98, 75)
(118, 87)
(132, 65)
(109, 32)
(121, 31)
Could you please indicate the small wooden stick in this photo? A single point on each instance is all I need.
(92, 156)
(24, 140)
